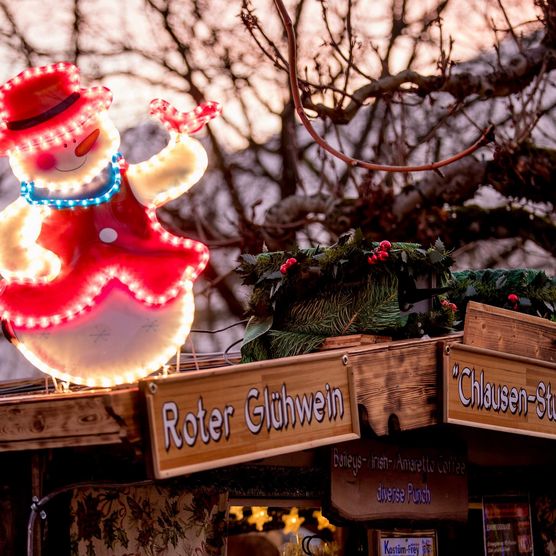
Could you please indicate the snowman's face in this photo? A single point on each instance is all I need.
(68, 166)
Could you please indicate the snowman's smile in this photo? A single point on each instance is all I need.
(71, 169)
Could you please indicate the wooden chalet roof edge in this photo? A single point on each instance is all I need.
(398, 385)
(94, 417)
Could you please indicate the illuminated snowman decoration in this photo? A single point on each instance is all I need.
(95, 291)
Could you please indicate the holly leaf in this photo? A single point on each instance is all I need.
(257, 326)
(248, 258)
(344, 238)
(439, 246)
(470, 291)
(274, 289)
(270, 275)
(436, 256)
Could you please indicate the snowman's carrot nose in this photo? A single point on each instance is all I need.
(87, 144)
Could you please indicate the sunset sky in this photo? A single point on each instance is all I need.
(48, 27)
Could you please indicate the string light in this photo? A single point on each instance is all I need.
(259, 516)
(86, 102)
(111, 187)
(322, 522)
(292, 521)
(153, 185)
(66, 183)
(75, 254)
(237, 511)
(105, 376)
(184, 122)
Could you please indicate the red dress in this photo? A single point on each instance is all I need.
(135, 251)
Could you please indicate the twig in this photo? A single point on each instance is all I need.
(294, 84)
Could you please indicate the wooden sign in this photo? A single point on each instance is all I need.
(373, 480)
(494, 390)
(509, 332)
(207, 419)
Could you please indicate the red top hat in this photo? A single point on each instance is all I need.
(43, 106)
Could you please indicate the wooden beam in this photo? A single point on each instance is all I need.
(72, 419)
(400, 379)
(509, 332)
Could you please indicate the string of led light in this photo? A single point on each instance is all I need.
(111, 187)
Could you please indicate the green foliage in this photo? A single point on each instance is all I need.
(286, 343)
(331, 292)
(536, 291)
(337, 291)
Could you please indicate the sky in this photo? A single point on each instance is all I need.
(48, 25)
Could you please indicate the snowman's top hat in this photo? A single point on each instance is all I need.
(44, 106)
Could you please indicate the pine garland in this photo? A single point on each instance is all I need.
(299, 298)
(535, 291)
(335, 291)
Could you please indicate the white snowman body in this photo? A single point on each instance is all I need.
(118, 341)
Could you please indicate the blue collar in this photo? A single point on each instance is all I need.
(103, 194)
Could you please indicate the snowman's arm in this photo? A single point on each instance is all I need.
(169, 173)
(21, 258)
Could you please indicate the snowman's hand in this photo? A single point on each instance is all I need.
(183, 122)
(21, 258)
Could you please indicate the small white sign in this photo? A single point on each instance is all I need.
(407, 546)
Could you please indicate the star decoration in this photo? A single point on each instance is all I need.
(237, 511)
(258, 517)
(323, 523)
(292, 521)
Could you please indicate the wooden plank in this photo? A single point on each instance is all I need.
(492, 390)
(72, 419)
(509, 332)
(402, 379)
(353, 340)
(212, 418)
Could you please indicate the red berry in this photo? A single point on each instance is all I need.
(512, 298)
(445, 303)
(383, 255)
(453, 307)
(372, 259)
(291, 261)
(385, 245)
(284, 268)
